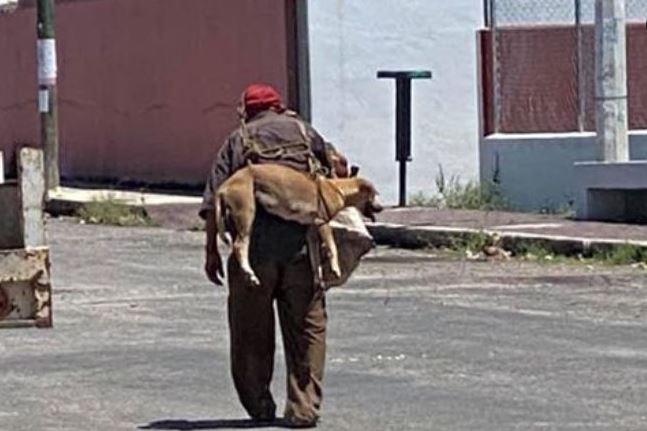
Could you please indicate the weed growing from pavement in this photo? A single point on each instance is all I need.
(535, 251)
(456, 194)
(622, 254)
(113, 212)
(473, 247)
(472, 243)
(420, 199)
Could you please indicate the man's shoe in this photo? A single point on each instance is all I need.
(299, 423)
(264, 418)
(265, 412)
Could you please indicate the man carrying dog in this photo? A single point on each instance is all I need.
(271, 134)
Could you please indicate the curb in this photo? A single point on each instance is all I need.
(402, 236)
(62, 207)
(67, 200)
(408, 237)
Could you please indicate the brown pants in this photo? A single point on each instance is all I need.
(302, 315)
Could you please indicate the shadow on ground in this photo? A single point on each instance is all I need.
(213, 424)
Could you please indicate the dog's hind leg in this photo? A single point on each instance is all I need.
(241, 251)
(220, 206)
(242, 210)
(326, 234)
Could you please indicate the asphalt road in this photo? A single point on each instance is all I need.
(416, 342)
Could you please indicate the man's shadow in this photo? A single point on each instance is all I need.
(213, 424)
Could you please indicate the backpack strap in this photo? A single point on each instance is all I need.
(252, 151)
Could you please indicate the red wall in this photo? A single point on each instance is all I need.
(147, 90)
(538, 79)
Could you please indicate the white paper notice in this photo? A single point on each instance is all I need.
(43, 100)
(46, 61)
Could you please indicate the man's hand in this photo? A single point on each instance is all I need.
(213, 267)
(213, 264)
(338, 162)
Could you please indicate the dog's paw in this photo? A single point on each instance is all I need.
(336, 273)
(253, 281)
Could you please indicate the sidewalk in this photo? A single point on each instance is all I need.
(404, 227)
(417, 227)
(173, 211)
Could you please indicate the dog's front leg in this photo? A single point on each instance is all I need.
(326, 234)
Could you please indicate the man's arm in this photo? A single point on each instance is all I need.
(328, 155)
(213, 262)
(227, 161)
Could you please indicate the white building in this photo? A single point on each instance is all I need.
(350, 40)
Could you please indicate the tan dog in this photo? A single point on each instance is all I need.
(291, 195)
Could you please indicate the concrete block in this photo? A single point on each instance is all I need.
(31, 181)
(25, 288)
(611, 191)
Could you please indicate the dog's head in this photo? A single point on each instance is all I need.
(367, 199)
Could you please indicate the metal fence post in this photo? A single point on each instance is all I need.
(581, 81)
(496, 97)
(486, 13)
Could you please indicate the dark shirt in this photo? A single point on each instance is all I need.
(272, 238)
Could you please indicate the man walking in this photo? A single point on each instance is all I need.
(271, 134)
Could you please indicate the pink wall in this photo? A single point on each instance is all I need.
(147, 90)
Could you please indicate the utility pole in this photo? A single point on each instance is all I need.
(303, 60)
(611, 81)
(47, 105)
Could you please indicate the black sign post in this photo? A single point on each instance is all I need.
(403, 120)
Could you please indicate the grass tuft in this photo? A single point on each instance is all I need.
(456, 194)
(623, 254)
(113, 212)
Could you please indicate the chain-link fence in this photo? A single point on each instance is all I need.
(542, 64)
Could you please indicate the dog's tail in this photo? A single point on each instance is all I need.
(221, 215)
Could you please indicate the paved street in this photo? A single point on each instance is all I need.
(416, 341)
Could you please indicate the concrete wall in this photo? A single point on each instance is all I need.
(538, 89)
(147, 89)
(536, 171)
(351, 40)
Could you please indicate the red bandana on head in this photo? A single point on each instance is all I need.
(261, 97)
